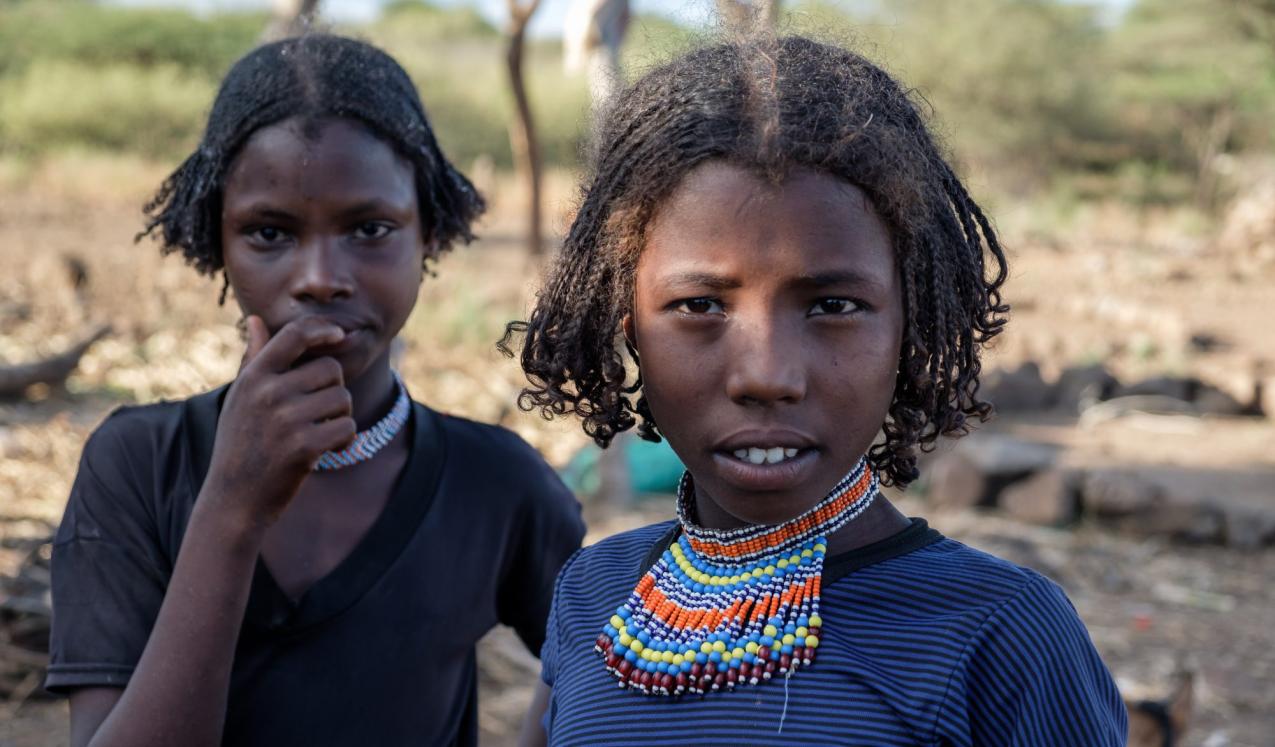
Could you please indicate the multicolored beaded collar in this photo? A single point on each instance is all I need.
(368, 442)
(729, 607)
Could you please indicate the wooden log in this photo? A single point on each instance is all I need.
(52, 371)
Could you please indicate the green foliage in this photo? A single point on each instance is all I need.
(156, 111)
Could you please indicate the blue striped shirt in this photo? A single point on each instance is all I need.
(925, 642)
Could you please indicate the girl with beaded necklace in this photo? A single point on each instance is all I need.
(803, 287)
(304, 556)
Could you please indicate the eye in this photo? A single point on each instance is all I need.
(372, 230)
(699, 306)
(834, 307)
(267, 236)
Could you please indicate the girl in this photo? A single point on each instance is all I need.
(305, 556)
(800, 280)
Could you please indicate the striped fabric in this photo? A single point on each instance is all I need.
(940, 645)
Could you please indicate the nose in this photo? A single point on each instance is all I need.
(766, 365)
(321, 275)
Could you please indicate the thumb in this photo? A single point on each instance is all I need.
(258, 336)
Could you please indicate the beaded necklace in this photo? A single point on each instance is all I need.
(367, 443)
(727, 607)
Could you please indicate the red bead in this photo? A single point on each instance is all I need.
(770, 670)
(666, 683)
(705, 683)
(784, 662)
(645, 681)
(763, 653)
(744, 669)
(680, 681)
(813, 632)
(810, 656)
(719, 681)
(732, 676)
(696, 671)
(710, 669)
(624, 666)
(603, 643)
(798, 654)
(613, 660)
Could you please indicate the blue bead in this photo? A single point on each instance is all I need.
(624, 613)
(701, 658)
(750, 658)
(803, 621)
(766, 640)
(662, 667)
(790, 628)
(776, 621)
(643, 637)
(619, 648)
(785, 650)
(712, 638)
(806, 561)
(630, 656)
(686, 666)
(699, 588)
(714, 657)
(734, 663)
(610, 630)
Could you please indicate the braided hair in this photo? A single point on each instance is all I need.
(314, 77)
(770, 105)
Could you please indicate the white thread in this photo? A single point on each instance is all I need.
(783, 715)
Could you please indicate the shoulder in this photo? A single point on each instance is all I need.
(951, 571)
(487, 444)
(134, 435)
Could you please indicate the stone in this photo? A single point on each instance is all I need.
(954, 481)
(1249, 529)
(1047, 498)
(1078, 386)
(1002, 455)
(1017, 390)
(1113, 494)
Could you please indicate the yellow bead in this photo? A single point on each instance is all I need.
(726, 656)
(770, 570)
(617, 622)
(718, 646)
(812, 641)
(746, 575)
(715, 580)
(816, 621)
(678, 659)
(751, 647)
(821, 547)
(706, 648)
(626, 639)
(636, 645)
(783, 563)
(738, 653)
(666, 656)
(770, 630)
(795, 560)
(801, 632)
(734, 579)
(789, 639)
(807, 553)
(776, 646)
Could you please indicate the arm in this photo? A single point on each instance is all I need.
(275, 423)
(532, 733)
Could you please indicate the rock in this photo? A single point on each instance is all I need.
(1000, 455)
(1174, 387)
(1137, 504)
(1114, 494)
(1018, 390)
(1048, 498)
(1249, 529)
(954, 481)
(1078, 386)
(1209, 400)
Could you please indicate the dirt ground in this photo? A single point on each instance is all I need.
(1127, 290)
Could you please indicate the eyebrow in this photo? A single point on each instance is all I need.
(701, 280)
(836, 277)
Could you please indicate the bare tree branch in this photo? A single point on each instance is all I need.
(53, 371)
(522, 136)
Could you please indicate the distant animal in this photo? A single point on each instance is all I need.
(1161, 723)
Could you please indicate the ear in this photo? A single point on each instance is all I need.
(629, 328)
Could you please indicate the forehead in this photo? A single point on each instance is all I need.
(327, 159)
(723, 216)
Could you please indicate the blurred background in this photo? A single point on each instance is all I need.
(1125, 148)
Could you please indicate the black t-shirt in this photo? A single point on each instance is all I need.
(379, 651)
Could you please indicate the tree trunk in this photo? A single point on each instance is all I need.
(522, 135)
(745, 17)
(291, 18)
(53, 371)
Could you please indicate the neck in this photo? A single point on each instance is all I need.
(877, 522)
(372, 393)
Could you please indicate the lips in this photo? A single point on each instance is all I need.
(765, 459)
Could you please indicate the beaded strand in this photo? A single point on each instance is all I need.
(722, 608)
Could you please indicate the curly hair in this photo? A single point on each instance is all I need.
(313, 77)
(770, 105)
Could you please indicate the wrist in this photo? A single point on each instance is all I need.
(233, 523)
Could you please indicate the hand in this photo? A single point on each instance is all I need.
(278, 420)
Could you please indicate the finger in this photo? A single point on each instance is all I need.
(327, 404)
(295, 338)
(335, 434)
(258, 336)
(314, 375)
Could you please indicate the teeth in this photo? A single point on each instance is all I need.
(757, 455)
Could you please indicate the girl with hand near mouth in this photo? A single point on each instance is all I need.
(304, 556)
(804, 288)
